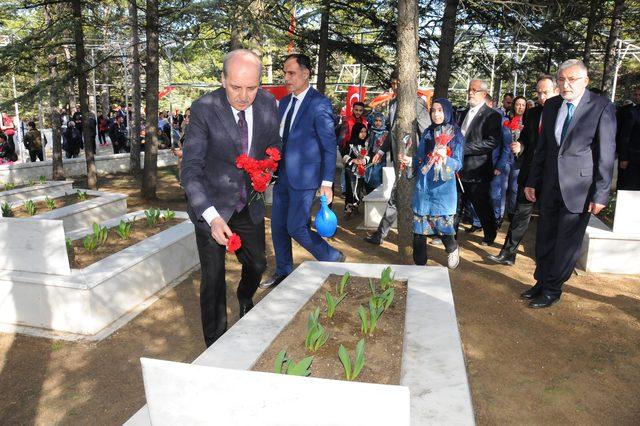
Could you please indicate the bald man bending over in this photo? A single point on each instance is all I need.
(235, 119)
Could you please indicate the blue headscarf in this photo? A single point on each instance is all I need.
(447, 108)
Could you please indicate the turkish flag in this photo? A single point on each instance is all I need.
(353, 96)
(278, 91)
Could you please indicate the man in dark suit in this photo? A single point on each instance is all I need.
(572, 166)
(482, 130)
(308, 164)
(235, 119)
(524, 149)
(629, 147)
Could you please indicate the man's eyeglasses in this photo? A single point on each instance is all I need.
(570, 80)
(472, 90)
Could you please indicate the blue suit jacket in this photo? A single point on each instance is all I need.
(310, 151)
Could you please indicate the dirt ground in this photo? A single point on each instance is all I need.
(575, 363)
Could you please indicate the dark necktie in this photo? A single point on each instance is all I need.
(567, 121)
(243, 129)
(287, 120)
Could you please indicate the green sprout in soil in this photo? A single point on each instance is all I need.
(343, 284)
(124, 229)
(82, 195)
(6, 210)
(42, 179)
(30, 207)
(352, 370)
(369, 319)
(31, 182)
(285, 365)
(316, 334)
(96, 239)
(51, 204)
(69, 244)
(386, 279)
(9, 186)
(332, 303)
(168, 215)
(152, 215)
(90, 242)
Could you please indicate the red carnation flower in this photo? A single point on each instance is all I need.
(360, 170)
(234, 243)
(242, 160)
(273, 153)
(363, 152)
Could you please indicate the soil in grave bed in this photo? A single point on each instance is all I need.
(41, 206)
(80, 258)
(383, 350)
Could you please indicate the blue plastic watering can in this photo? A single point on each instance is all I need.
(326, 220)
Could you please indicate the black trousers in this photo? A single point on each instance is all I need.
(629, 179)
(558, 241)
(213, 287)
(420, 247)
(479, 194)
(519, 224)
(36, 153)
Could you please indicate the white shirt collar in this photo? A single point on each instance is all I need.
(474, 110)
(247, 112)
(301, 96)
(575, 102)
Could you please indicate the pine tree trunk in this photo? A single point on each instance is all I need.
(591, 29)
(323, 50)
(610, 51)
(134, 158)
(106, 103)
(81, 74)
(56, 143)
(149, 176)
(445, 54)
(407, 61)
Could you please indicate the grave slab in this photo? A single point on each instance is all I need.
(39, 190)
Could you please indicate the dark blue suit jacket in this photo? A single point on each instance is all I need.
(310, 151)
(583, 164)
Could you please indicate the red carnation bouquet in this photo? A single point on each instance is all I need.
(234, 243)
(260, 171)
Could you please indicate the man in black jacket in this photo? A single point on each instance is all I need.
(524, 149)
(629, 147)
(481, 127)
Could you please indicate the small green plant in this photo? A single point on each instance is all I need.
(82, 195)
(69, 244)
(152, 215)
(9, 186)
(90, 242)
(51, 204)
(285, 365)
(316, 334)
(168, 214)
(332, 303)
(101, 234)
(31, 182)
(6, 210)
(369, 319)
(386, 279)
(352, 370)
(343, 283)
(42, 179)
(124, 229)
(30, 207)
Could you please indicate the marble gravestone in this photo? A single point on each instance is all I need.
(627, 216)
(190, 394)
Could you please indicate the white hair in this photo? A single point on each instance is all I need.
(483, 85)
(240, 52)
(569, 63)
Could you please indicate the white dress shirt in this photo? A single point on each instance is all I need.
(562, 115)
(469, 118)
(300, 99)
(211, 213)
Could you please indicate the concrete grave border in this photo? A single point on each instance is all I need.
(433, 364)
(38, 190)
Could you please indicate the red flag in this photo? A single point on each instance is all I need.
(278, 91)
(164, 92)
(354, 96)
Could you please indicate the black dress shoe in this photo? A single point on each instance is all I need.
(503, 259)
(273, 281)
(486, 243)
(373, 239)
(245, 307)
(473, 229)
(543, 301)
(532, 293)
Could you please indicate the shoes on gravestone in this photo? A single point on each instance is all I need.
(272, 281)
(453, 259)
(543, 301)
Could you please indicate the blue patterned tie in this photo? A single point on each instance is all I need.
(243, 129)
(287, 120)
(567, 121)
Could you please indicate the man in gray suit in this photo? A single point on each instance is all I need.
(235, 119)
(572, 170)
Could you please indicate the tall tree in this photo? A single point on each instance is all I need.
(149, 176)
(610, 50)
(594, 6)
(81, 75)
(323, 46)
(56, 143)
(135, 75)
(445, 54)
(407, 61)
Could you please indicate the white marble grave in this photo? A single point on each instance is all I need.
(38, 190)
(91, 303)
(433, 365)
(190, 394)
(614, 251)
(375, 203)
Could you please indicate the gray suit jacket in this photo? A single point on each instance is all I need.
(209, 173)
(583, 164)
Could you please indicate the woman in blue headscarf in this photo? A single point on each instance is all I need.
(437, 160)
(378, 135)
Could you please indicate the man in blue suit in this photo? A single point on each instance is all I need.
(308, 164)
